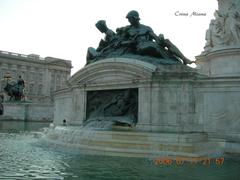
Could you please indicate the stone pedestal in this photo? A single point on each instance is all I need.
(223, 62)
(165, 93)
(172, 99)
(32, 112)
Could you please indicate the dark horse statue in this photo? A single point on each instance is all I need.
(1, 109)
(1, 105)
(14, 90)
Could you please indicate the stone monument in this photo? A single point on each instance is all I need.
(140, 81)
(128, 67)
(221, 52)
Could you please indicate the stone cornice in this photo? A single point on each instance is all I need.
(122, 69)
(36, 59)
(225, 51)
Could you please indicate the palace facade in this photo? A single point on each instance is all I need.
(42, 76)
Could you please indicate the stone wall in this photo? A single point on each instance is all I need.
(218, 104)
(63, 109)
(27, 112)
(169, 105)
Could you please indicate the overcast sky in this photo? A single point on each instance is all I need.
(66, 28)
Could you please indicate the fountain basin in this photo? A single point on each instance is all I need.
(133, 143)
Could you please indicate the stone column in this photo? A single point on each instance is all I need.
(79, 106)
(144, 108)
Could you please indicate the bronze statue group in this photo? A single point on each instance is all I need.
(134, 39)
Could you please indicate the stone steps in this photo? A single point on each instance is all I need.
(134, 144)
(158, 137)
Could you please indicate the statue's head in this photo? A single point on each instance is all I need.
(133, 16)
(101, 25)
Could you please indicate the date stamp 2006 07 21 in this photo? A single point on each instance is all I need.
(180, 161)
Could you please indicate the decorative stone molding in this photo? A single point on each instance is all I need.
(114, 70)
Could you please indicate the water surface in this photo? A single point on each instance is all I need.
(22, 157)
